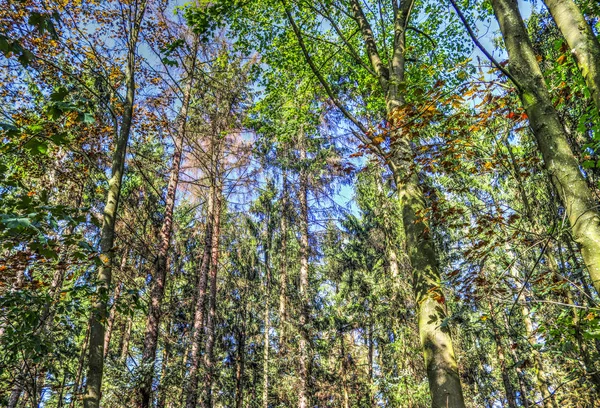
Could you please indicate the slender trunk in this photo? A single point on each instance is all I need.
(212, 300)
(344, 371)
(77, 384)
(111, 317)
(303, 289)
(192, 386)
(267, 328)
(126, 336)
(540, 375)
(559, 160)
(162, 390)
(581, 40)
(160, 272)
(240, 366)
(283, 267)
(370, 360)
(15, 395)
(520, 374)
(508, 388)
(113, 310)
(95, 367)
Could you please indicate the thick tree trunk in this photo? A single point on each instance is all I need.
(160, 272)
(212, 301)
(95, 368)
(303, 289)
(581, 40)
(440, 363)
(550, 135)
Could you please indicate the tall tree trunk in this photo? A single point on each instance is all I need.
(283, 261)
(344, 371)
(192, 385)
(240, 364)
(267, 286)
(538, 364)
(111, 317)
(440, 362)
(160, 272)
(581, 40)
(508, 388)
(303, 289)
(126, 336)
(550, 135)
(113, 310)
(95, 368)
(520, 374)
(212, 301)
(370, 361)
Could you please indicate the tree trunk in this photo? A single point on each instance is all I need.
(111, 316)
(95, 368)
(508, 388)
(160, 272)
(212, 300)
(581, 40)
(192, 386)
(267, 326)
(440, 363)
(344, 371)
(550, 135)
(126, 336)
(303, 289)
(283, 267)
(240, 365)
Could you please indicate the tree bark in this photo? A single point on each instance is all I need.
(303, 288)
(192, 386)
(581, 40)
(267, 325)
(212, 300)
(550, 135)
(111, 318)
(508, 388)
(283, 267)
(95, 367)
(160, 272)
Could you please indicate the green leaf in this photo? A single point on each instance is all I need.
(588, 164)
(86, 118)
(36, 146)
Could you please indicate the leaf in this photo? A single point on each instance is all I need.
(588, 164)
(562, 59)
(86, 118)
(36, 146)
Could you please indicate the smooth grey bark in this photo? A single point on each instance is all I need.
(98, 317)
(442, 369)
(582, 42)
(559, 160)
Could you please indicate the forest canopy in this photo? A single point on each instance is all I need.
(300, 203)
